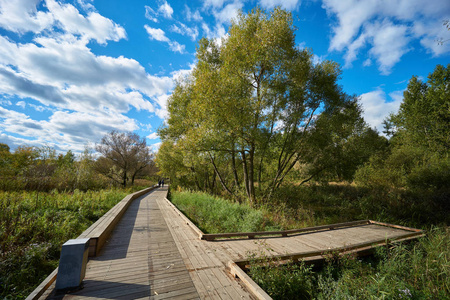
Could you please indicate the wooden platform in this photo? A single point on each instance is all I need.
(154, 253)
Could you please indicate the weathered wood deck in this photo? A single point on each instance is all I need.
(154, 253)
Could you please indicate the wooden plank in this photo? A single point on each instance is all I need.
(40, 289)
(343, 250)
(236, 271)
(395, 226)
(283, 232)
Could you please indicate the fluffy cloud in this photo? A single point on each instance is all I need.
(217, 33)
(227, 13)
(83, 95)
(387, 27)
(286, 4)
(22, 16)
(164, 9)
(70, 130)
(181, 28)
(153, 136)
(155, 147)
(377, 106)
(150, 14)
(192, 16)
(159, 35)
(156, 34)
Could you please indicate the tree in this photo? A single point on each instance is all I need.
(252, 101)
(340, 143)
(420, 142)
(424, 115)
(124, 155)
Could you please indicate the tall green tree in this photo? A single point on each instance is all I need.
(424, 115)
(419, 147)
(251, 102)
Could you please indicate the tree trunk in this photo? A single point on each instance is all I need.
(251, 179)
(124, 183)
(220, 176)
(245, 170)
(233, 164)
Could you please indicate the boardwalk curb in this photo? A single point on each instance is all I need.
(97, 237)
(191, 224)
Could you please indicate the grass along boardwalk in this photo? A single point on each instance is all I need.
(156, 253)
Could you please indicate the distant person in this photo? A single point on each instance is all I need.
(159, 183)
(162, 182)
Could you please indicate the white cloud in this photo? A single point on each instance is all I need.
(217, 33)
(153, 136)
(389, 44)
(67, 130)
(156, 34)
(286, 4)
(84, 95)
(166, 10)
(151, 14)
(176, 47)
(377, 106)
(386, 27)
(21, 104)
(181, 28)
(155, 147)
(159, 35)
(213, 3)
(192, 16)
(229, 12)
(86, 5)
(22, 16)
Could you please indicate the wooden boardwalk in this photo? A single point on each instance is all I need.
(155, 254)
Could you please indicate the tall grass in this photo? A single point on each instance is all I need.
(33, 226)
(217, 215)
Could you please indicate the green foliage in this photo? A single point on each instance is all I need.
(216, 215)
(39, 169)
(416, 168)
(34, 225)
(254, 107)
(424, 116)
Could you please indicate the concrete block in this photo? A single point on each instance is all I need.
(72, 264)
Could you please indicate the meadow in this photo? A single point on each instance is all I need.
(33, 227)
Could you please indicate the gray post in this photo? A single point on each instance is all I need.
(72, 264)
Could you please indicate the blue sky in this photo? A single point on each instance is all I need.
(71, 71)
